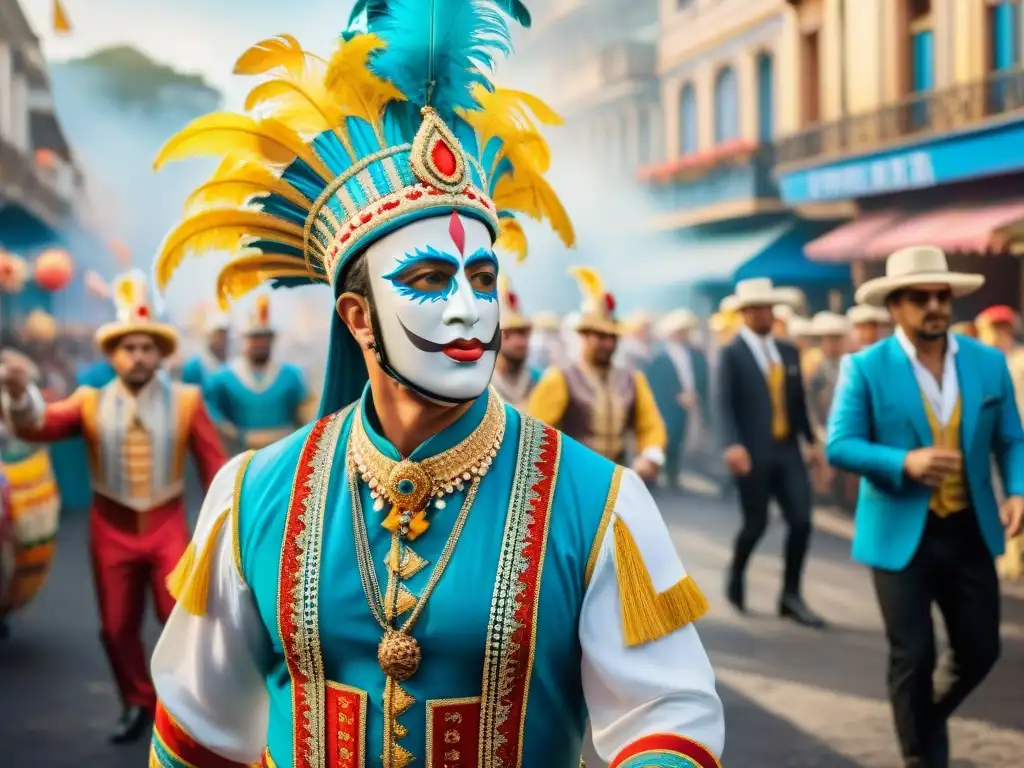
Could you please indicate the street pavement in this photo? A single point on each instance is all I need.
(794, 698)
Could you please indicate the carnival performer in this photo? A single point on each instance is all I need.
(206, 362)
(597, 402)
(137, 429)
(679, 380)
(867, 325)
(919, 416)
(254, 399)
(763, 416)
(406, 579)
(513, 377)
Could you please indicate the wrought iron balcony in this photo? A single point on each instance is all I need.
(22, 183)
(919, 116)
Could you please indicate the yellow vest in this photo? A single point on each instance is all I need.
(777, 391)
(951, 496)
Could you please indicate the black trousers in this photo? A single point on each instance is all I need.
(955, 570)
(781, 475)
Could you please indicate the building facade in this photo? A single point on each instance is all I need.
(908, 115)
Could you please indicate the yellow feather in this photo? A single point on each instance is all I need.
(512, 238)
(282, 52)
(250, 270)
(125, 290)
(528, 192)
(220, 230)
(356, 90)
(225, 133)
(512, 116)
(234, 184)
(590, 282)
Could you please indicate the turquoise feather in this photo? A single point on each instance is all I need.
(374, 9)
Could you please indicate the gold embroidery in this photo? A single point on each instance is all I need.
(452, 721)
(397, 701)
(453, 717)
(602, 528)
(406, 562)
(452, 754)
(350, 732)
(235, 504)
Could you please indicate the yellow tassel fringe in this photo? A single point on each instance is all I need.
(647, 615)
(193, 589)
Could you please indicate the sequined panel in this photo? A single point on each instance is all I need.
(453, 733)
(346, 726)
(508, 659)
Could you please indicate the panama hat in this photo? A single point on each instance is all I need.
(799, 327)
(677, 320)
(134, 315)
(759, 292)
(829, 324)
(916, 265)
(862, 314)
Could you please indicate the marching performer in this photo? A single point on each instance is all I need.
(920, 416)
(594, 400)
(137, 429)
(679, 379)
(216, 326)
(763, 416)
(867, 325)
(425, 575)
(513, 378)
(254, 399)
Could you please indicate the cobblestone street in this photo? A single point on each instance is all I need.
(795, 698)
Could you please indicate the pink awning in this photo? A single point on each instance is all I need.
(954, 229)
(846, 242)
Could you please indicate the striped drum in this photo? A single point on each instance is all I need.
(33, 518)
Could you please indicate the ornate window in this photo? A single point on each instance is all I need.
(727, 106)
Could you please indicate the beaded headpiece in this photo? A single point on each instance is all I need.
(134, 315)
(400, 124)
(597, 310)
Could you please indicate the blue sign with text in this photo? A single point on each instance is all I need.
(955, 157)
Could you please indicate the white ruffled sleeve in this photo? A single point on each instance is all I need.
(648, 684)
(208, 664)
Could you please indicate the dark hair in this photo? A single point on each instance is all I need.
(355, 278)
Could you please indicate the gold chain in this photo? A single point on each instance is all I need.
(364, 556)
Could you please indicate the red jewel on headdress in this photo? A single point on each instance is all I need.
(513, 301)
(609, 302)
(143, 313)
(443, 158)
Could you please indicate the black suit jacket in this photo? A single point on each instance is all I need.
(745, 405)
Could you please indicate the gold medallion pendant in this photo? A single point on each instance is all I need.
(408, 486)
(399, 655)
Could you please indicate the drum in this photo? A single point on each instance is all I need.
(33, 519)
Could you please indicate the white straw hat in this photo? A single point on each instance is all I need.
(677, 320)
(829, 324)
(916, 265)
(759, 292)
(862, 313)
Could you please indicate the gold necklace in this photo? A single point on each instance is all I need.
(399, 653)
(408, 486)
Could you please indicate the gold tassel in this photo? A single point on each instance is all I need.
(197, 587)
(178, 578)
(647, 615)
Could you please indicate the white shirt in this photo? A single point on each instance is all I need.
(682, 361)
(765, 351)
(942, 396)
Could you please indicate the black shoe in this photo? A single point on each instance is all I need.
(735, 592)
(134, 724)
(793, 607)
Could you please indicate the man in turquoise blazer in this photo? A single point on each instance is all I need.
(920, 416)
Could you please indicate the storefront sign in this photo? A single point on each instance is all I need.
(953, 158)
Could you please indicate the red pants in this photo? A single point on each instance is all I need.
(132, 552)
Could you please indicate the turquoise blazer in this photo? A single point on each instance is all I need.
(878, 416)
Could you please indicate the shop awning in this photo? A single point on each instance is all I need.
(954, 228)
(846, 242)
(785, 263)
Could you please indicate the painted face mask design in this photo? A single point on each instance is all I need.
(435, 288)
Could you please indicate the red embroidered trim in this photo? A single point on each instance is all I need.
(346, 727)
(453, 733)
(521, 660)
(183, 747)
(668, 743)
(288, 580)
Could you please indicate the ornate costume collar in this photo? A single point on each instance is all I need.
(442, 465)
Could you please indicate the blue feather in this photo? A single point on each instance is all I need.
(437, 50)
(305, 180)
(374, 9)
(504, 168)
(272, 246)
(277, 206)
(291, 282)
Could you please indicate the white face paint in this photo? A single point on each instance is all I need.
(435, 288)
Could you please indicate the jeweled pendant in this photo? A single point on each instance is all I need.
(399, 655)
(440, 504)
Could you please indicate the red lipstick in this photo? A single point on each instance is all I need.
(464, 350)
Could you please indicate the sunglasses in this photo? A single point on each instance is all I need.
(921, 298)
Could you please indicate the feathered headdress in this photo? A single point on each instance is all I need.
(134, 315)
(401, 123)
(259, 321)
(597, 311)
(512, 317)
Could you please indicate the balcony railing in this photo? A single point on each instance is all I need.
(21, 181)
(917, 117)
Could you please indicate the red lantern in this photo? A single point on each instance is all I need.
(54, 270)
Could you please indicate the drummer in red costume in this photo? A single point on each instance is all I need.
(138, 429)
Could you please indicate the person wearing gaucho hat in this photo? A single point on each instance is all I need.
(138, 429)
(763, 417)
(595, 401)
(867, 325)
(920, 416)
(513, 377)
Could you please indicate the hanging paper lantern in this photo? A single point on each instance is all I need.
(54, 270)
(97, 285)
(13, 272)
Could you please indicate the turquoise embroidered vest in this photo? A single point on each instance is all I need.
(270, 405)
(499, 682)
